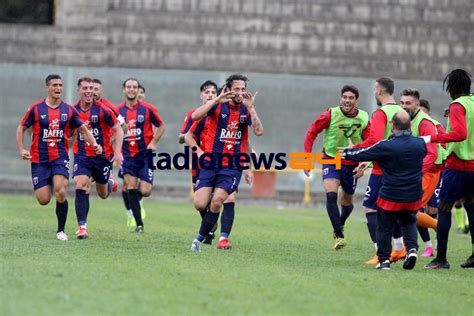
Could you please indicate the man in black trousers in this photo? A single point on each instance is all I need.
(401, 160)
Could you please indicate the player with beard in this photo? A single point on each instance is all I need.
(228, 118)
(144, 129)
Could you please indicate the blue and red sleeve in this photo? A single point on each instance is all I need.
(75, 120)
(320, 124)
(154, 117)
(378, 122)
(29, 117)
(187, 122)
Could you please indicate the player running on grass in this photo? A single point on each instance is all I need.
(340, 124)
(228, 118)
(102, 123)
(144, 129)
(52, 121)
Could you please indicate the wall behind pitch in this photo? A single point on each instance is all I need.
(287, 104)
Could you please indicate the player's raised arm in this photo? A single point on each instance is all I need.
(20, 132)
(118, 143)
(248, 101)
(201, 111)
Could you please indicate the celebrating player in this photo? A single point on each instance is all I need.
(52, 121)
(340, 123)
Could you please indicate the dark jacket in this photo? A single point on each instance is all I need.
(401, 160)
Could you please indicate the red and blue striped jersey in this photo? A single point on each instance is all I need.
(139, 119)
(188, 121)
(110, 106)
(99, 120)
(51, 129)
(227, 129)
(198, 128)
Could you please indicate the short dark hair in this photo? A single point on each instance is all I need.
(206, 84)
(458, 83)
(141, 87)
(387, 84)
(411, 92)
(350, 88)
(84, 79)
(134, 79)
(234, 77)
(401, 121)
(424, 103)
(51, 77)
(95, 80)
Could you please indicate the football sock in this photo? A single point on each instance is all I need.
(207, 223)
(470, 215)
(346, 211)
(87, 206)
(458, 214)
(110, 184)
(333, 212)
(372, 225)
(126, 202)
(61, 214)
(442, 234)
(428, 244)
(135, 206)
(376, 248)
(227, 219)
(424, 220)
(398, 243)
(203, 212)
(80, 203)
(424, 233)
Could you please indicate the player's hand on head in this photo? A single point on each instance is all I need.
(225, 96)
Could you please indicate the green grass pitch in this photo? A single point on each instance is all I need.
(282, 263)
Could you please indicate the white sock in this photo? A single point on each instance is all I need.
(129, 213)
(428, 244)
(375, 245)
(398, 243)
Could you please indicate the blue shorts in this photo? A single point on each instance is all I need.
(456, 185)
(345, 175)
(42, 173)
(372, 191)
(137, 166)
(434, 200)
(225, 178)
(120, 173)
(97, 168)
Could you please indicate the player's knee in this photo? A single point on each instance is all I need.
(200, 204)
(103, 195)
(146, 193)
(43, 200)
(60, 194)
(216, 205)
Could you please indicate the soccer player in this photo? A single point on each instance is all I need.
(141, 93)
(379, 130)
(401, 159)
(99, 96)
(100, 121)
(421, 125)
(458, 175)
(52, 121)
(144, 129)
(340, 124)
(228, 118)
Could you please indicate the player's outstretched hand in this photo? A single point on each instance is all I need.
(249, 99)
(98, 149)
(225, 96)
(360, 169)
(25, 154)
(248, 175)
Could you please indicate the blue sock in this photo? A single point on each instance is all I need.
(346, 211)
(424, 233)
(209, 220)
(61, 214)
(372, 225)
(397, 231)
(200, 237)
(133, 198)
(333, 212)
(227, 219)
(126, 202)
(470, 216)
(110, 184)
(442, 233)
(80, 203)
